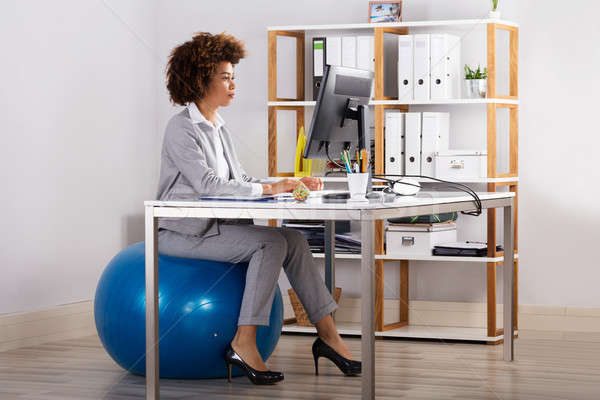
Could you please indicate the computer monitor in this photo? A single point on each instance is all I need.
(340, 118)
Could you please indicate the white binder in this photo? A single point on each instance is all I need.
(434, 137)
(405, 67)
(349, 51)
(421, 67)
(412, 143)
(394, 143)
(445, 66)
(365, 57)
(333, 52)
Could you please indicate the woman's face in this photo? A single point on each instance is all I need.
(221, 89)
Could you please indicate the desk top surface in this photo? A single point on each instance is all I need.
(423, 198)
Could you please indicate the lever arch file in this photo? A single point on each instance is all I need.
(405, 67)
(445, 66)
(412, 143)
(333, 53)
(319, 57)
(349, 51)
(394, 143)
(434, 138)
(421, 67)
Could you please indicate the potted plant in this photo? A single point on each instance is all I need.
(494, 14)
(475, 81)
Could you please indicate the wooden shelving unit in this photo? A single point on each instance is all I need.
(340, 179)
(494, 181)
(290, 103)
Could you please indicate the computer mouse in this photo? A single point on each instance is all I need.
(407, 186)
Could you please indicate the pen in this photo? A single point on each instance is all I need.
(346, 164)
(347, 153)
(360, 158)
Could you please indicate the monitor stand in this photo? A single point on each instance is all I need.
(358, 112)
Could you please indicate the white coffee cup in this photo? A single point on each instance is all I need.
(357, 185)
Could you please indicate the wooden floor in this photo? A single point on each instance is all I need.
(548, 365)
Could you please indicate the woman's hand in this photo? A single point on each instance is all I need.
(312, 183)
(281, 186)
(288, 185)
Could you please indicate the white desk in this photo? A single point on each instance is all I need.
(424, 203)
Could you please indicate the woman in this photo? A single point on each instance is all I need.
(198, 158)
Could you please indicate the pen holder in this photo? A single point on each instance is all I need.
(357, 185)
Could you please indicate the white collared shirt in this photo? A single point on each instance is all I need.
(222, 169)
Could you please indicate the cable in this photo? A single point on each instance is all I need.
(454, 185)
(329, 158)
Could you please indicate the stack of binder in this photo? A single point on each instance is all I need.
(428, 67)
(314, 232)
(412, 141)
(462, 249)
(345, 51)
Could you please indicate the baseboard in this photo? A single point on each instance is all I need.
(473, 315)
(69, 321)
(76, 320)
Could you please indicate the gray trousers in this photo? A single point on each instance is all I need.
(266, 249)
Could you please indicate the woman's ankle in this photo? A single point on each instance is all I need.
(241, 342)
(245, 336)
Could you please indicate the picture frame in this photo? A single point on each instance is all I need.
(385, 11)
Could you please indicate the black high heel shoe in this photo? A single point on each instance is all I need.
(256, 377)
(322, 349)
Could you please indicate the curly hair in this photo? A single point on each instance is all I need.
(193, 63)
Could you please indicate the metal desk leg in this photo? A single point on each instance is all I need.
(152, 375)
(330, 255)
(367, 315)
(508, 292)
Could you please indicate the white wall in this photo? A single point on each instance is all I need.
(79, 144)
(84, 108)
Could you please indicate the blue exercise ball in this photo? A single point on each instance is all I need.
(199, 304)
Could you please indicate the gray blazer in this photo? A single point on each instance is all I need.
(188, 162)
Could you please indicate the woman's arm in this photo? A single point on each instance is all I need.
(288, 185)
(281, 186)
(183, 149)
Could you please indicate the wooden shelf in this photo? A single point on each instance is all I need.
(409, 331)
(342, 179)
(398, 257)
(440, 258)
(293, 103)
(339, 256)
(476, 180)
(405, 24)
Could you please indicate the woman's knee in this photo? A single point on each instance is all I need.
(295, 239)
(275, 242)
